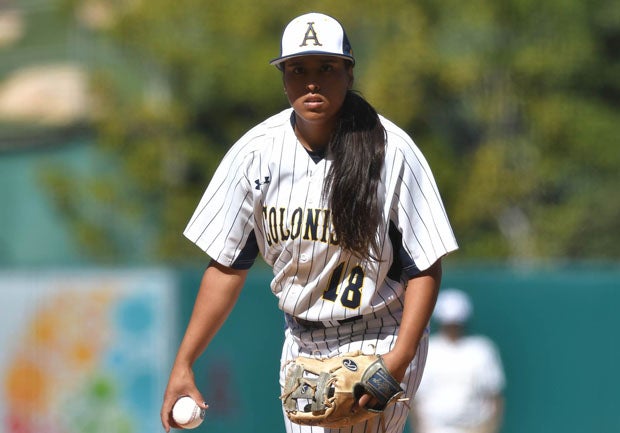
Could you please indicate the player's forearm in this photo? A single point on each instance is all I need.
(219, 290)
(420, 298)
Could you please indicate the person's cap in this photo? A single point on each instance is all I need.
(453, 307)
(314, 34)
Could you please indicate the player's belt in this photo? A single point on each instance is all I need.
(323, 324)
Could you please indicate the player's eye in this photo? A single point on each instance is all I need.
(328, 67)
(298, 70)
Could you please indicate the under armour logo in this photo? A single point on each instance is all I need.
(310, 36)
(259, 183)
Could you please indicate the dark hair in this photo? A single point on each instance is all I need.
(358, 149)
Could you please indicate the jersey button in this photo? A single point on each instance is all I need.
(303, 258)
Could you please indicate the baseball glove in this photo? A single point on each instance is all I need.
(323, 392)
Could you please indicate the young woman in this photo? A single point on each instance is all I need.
(343, 206)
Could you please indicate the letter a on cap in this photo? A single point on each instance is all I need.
(310, 35)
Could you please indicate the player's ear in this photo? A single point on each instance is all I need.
(350, 74)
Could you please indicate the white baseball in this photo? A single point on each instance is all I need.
(187, 414)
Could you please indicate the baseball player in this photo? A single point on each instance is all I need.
(343, 206)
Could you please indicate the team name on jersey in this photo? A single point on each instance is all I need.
(282, 224)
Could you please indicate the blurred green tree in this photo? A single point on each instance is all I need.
(515, 104)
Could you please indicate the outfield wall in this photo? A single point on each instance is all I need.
(101, 342)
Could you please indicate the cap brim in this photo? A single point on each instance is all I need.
(277, 61)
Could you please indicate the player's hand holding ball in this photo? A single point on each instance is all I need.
(187, 414)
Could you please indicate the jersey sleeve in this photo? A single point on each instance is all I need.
(222, 224)
(417, 209)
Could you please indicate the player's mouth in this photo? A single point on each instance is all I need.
(313, 102)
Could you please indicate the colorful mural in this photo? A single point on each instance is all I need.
(85, 352)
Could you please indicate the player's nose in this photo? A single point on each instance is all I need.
(313, 87)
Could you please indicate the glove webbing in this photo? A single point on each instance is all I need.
(316, 390)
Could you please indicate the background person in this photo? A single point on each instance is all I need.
(462, 387)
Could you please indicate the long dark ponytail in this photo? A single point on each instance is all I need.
(358, 149)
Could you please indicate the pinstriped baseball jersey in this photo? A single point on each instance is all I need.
(266, 196)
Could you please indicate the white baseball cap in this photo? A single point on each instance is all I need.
(314, 34)
(453, 306)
